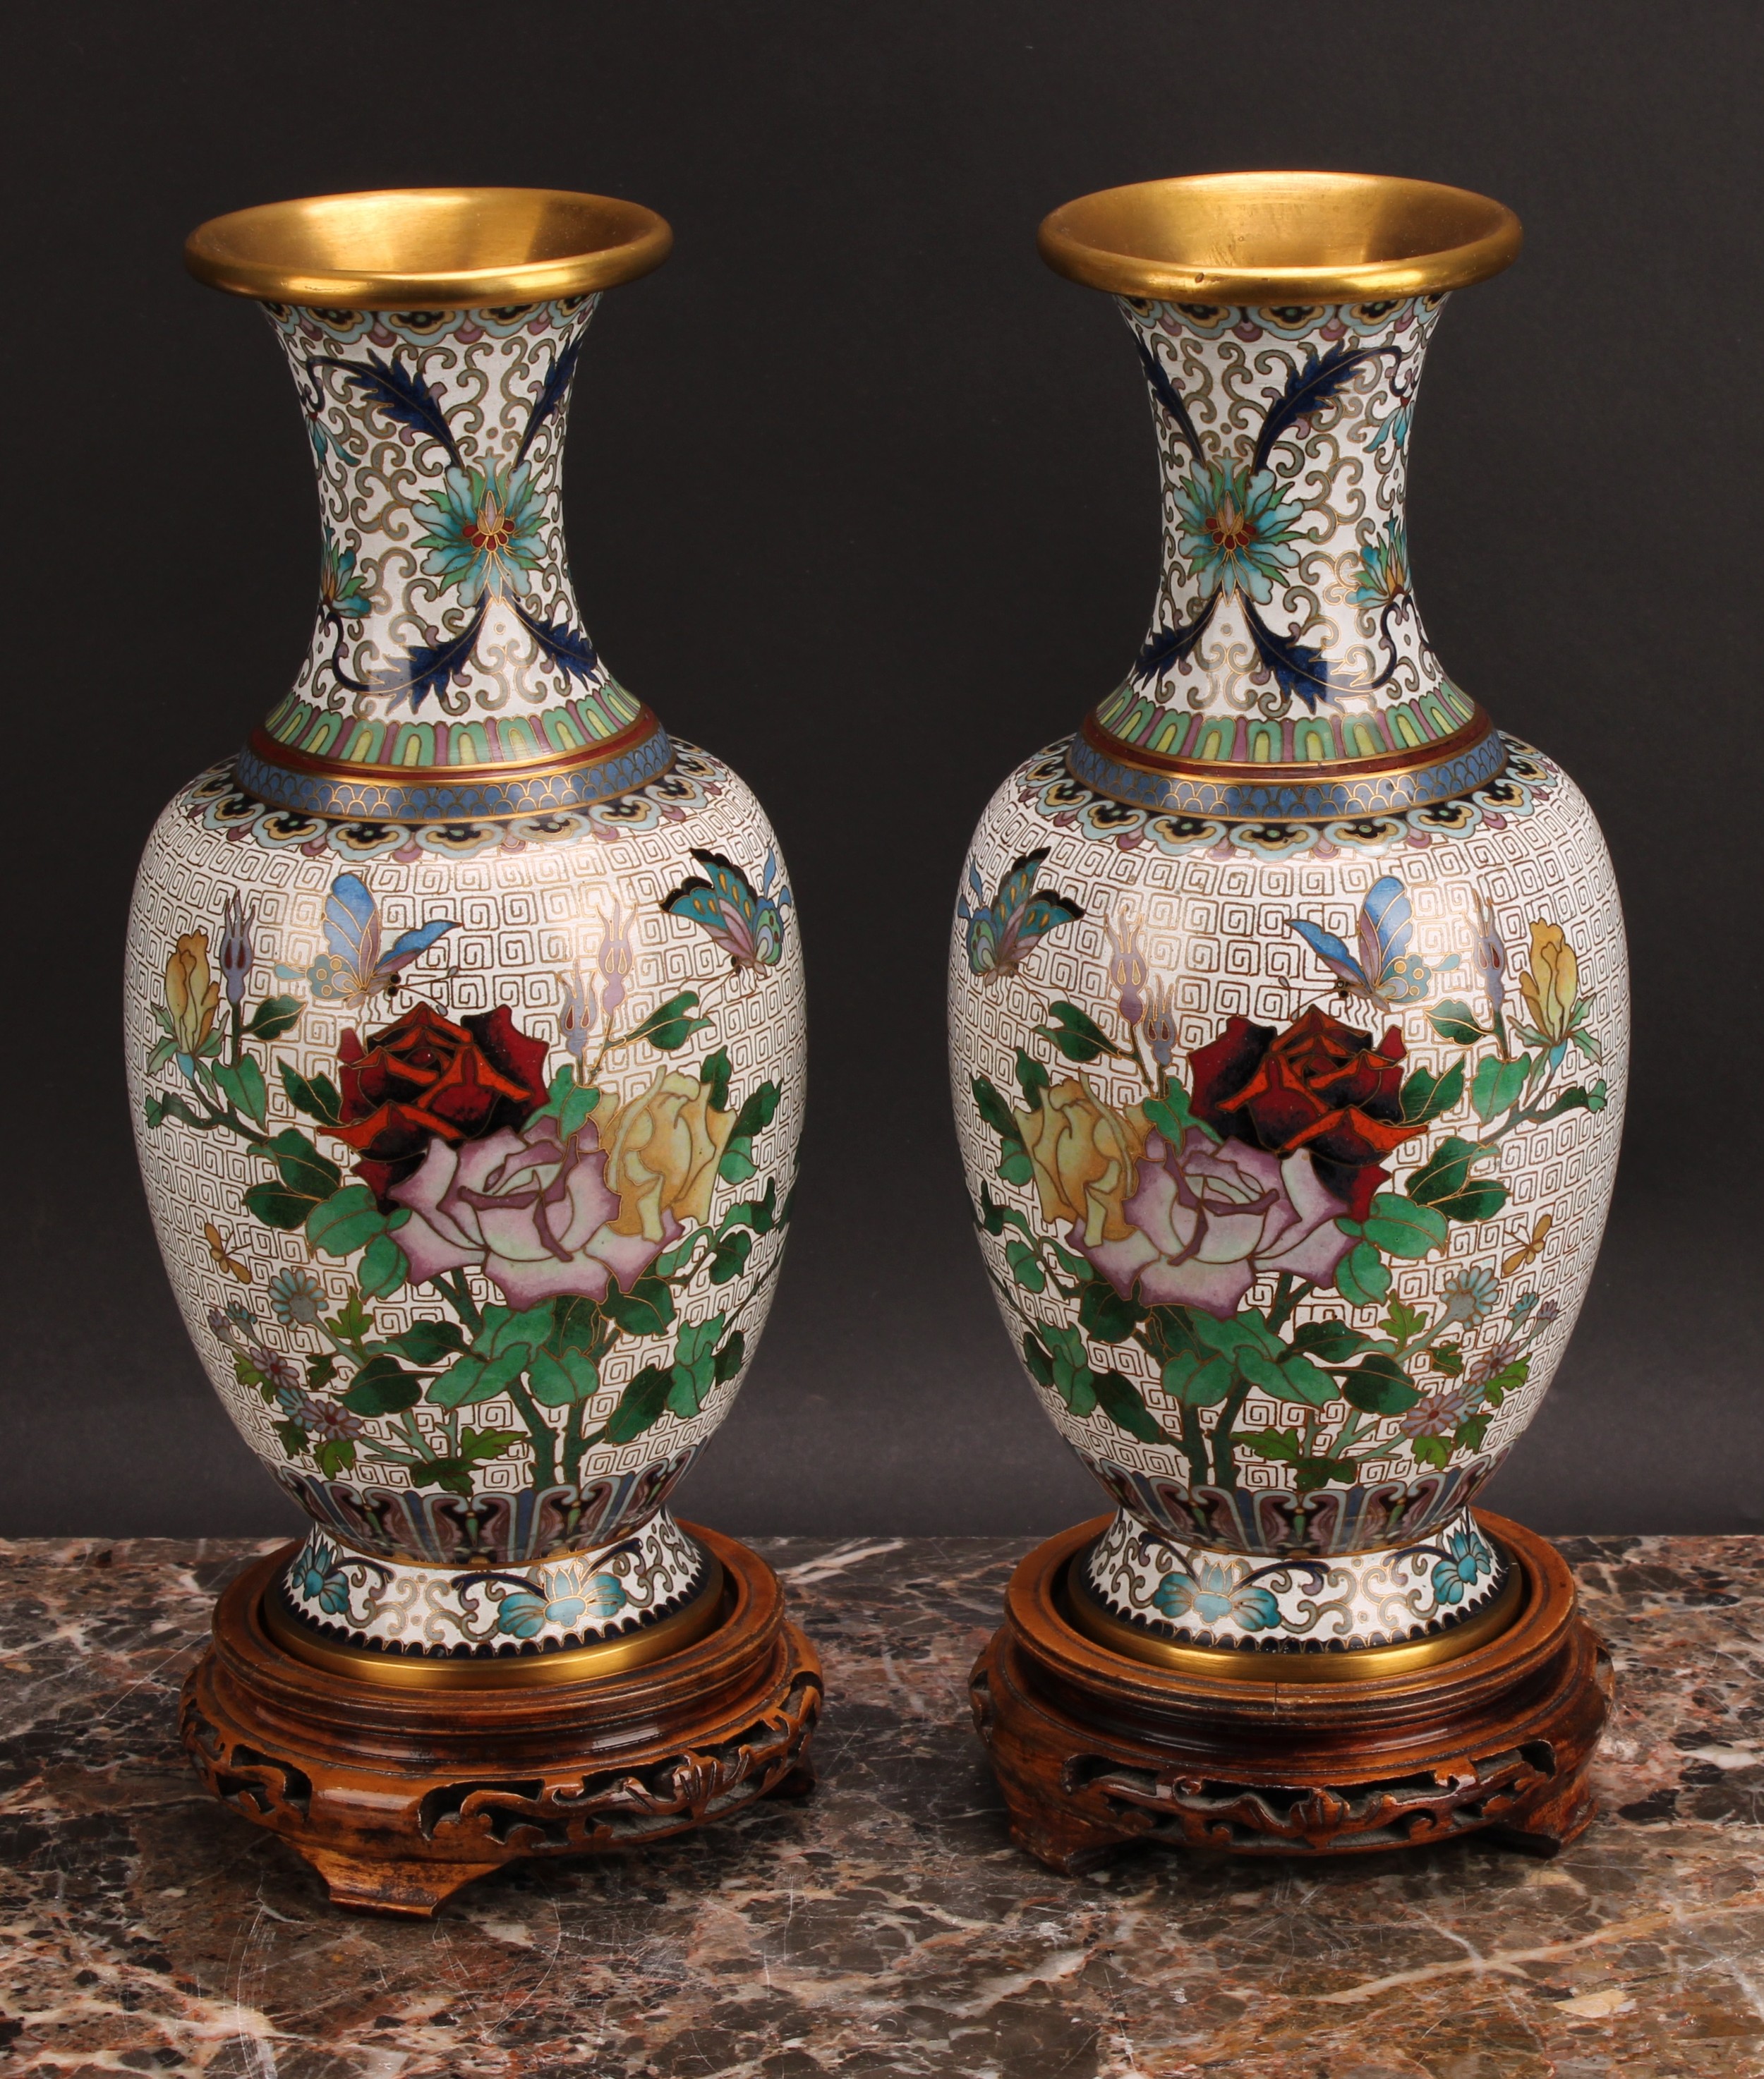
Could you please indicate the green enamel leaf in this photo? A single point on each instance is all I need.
(1278, 1445)
(670, 1024)
(716, 1071)
(275, 1015)
(241, 1084)
(1196, 1382)
(1426, 1095)
(1032, 1080)
(561, 1381)
(1327, 1341)
(730, 1257)
(316, 1096)
(276, 1207)
(731, 1357)
(641, 1405)
(1301, 1380)
(384, 1267)
(382, 1386)
(646, 1310)
(1498, 1086)
(1378, 1385)
(1453, 1019)
(1103, 1314)
(1024, 1266)
(1400, 1227)
(1076, 1035)
(345, 1221)
(427, 1343)
(1362, 1277)
(1118, 1400)
(1431, 1451)
(1481, 1200)
(1507, 1380)
(335, 1457)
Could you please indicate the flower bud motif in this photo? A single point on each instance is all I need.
(615, 958)
(237, 955)
(1488, 953)
(1127, 969)
(578, 1014)
(1161, 1024)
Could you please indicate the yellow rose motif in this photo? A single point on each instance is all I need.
(192, 994)
(662, 1152)
(1551, 986)
(1085, 1157)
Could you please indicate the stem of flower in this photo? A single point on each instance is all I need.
(412, 1429)
(1225, 1456)
(544, 1437)
(1194, 1444)
(453, 1287)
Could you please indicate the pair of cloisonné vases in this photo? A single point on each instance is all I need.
(1287, 998)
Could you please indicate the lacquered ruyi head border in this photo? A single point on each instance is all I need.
(1273, 238)
(428, 249)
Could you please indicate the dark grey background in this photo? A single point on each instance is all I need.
(862, 497)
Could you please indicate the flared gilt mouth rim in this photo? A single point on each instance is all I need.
(1274, 238)
(428, 248)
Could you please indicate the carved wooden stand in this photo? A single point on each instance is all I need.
(1094, 1750)
(398, 1796)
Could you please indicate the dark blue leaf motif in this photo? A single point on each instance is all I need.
(1297, 668)
(567, 647)
(557, 385)
(1170, 646)
(1170, 397)
(431, 668)
(1309, 387)
(401, 393)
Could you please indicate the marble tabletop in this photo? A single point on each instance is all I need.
(885, 1924)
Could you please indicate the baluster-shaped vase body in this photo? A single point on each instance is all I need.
(1287, 998)
(464, 1014)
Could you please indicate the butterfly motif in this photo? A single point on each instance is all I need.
(1530, 1251)
(355, 970)
(1386, 972)
(747, 923)
(219, 1247)
(1002, 933)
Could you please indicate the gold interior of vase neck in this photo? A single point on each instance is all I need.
(1279, 238)
(428, 248)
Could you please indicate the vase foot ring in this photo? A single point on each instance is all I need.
(397, 1797)
(1095, 1749)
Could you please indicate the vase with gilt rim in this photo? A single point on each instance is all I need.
(1288, 996)
(464, 1004)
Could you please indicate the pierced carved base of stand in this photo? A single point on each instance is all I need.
(1094, 1749)
(398, 1795)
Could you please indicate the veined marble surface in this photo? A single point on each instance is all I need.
(885, 1925)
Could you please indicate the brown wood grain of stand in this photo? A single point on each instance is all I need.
(1094, 1749)
(397, 1795)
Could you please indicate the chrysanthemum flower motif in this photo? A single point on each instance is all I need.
(1469, 1296)
(1236, 529)
(1438, 1413)
(484, 530)
(1467, 1559)
(240, 1315)
(328, 1420)
(1384, 568)
(281, 1372)
(296, 1297)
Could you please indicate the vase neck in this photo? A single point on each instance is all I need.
(1285, 635)
(447, 643)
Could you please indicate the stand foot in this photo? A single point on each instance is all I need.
(1094, 1751)
(397, 1795)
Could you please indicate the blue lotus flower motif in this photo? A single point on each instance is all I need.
(1384, 568)
(483, 529)
(323, 1581)
(1236, 529)
(559, 1597)
(1467, 1559)
(343, 594)
(1215, 1592)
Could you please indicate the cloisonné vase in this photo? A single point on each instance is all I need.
(464, 1013)
(1287, 997)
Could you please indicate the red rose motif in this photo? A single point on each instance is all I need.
(1319, 1085)
(425, 1079)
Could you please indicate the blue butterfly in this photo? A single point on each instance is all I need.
(355, 971)
(1386, 972)
(1002, 933)
(748, 924)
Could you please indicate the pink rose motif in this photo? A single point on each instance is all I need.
(534, 1213)
(1210, 1218)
